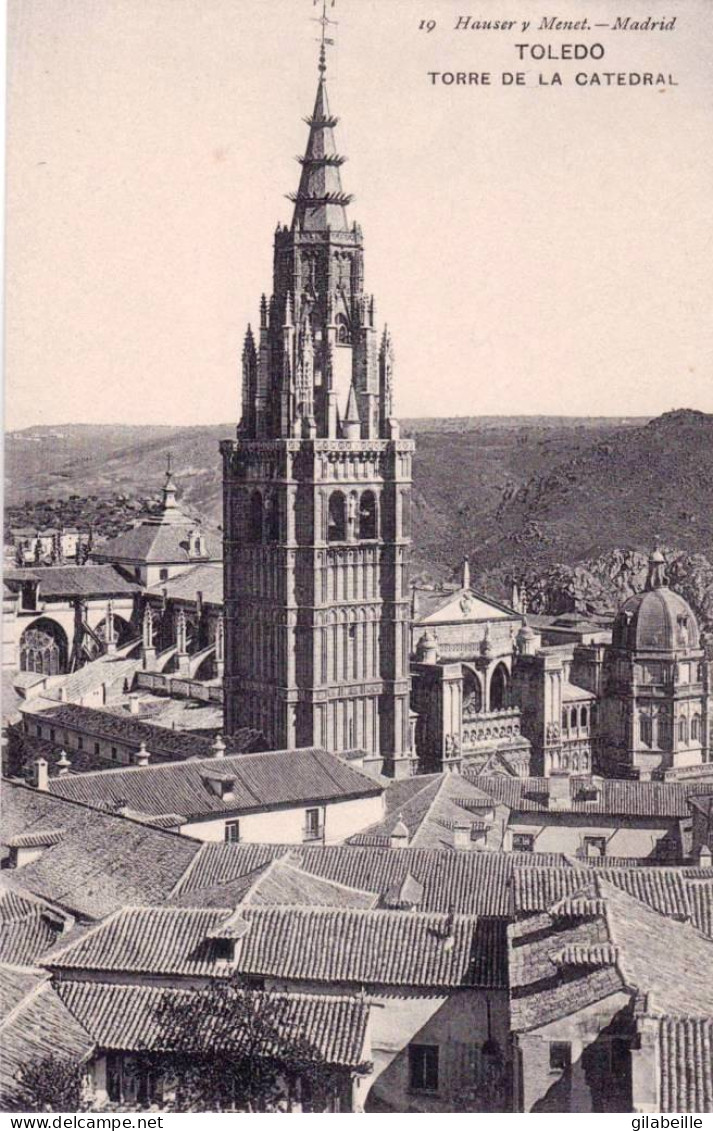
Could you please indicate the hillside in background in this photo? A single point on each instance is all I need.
(533, 496)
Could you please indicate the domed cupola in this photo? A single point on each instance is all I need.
(657, 620)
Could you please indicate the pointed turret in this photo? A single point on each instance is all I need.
(351, 425)
(170, 510)
(320, 202)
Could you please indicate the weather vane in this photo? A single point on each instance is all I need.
(325, 22)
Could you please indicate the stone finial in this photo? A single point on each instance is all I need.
(465, 574)
(218, 747)
(427, 648)
(142, 756)
(63, 764)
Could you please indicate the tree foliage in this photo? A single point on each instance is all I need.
(51, 1083)
(228, 1047)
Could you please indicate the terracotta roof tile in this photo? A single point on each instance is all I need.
(686, 1064)
(614, 798)
(40, 1026)
(471, 883)
(101, 863)
(252, 782)
(298, 943)
(76, 581)
(127, 1018)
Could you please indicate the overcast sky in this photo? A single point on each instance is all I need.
(534, 250)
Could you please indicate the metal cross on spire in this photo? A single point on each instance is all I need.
(324, 41)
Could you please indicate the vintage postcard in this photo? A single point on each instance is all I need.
(357, 639)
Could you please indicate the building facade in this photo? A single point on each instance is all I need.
(317, 495)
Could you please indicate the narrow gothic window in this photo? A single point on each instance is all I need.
(256, 517)
(646, 730)
(696, 728)
(583, 717)
(343, 334)
(368, 516)
(272, 520)
(683, 730)
(337, 520)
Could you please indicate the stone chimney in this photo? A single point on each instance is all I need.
(218, 747)
(399, 836)
(63, 764)
(134, 704)
(41, 774)
(142, 756)
(559, 795)
(461, 837)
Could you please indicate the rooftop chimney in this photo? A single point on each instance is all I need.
(559, 795)
(218, 747)
(461, 837)
(134, 704)
(63, 764)
(142, 756)
(41, 774)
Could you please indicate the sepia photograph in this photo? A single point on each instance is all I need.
(357, 649)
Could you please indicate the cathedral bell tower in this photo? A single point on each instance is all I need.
(317, 495)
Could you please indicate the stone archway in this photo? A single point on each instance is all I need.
(472, 695)
(44, 648)
(500, 688)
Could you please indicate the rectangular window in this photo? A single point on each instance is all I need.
(39, 731)
(313, 824)
(523, 842)
(97, 748)
(114, 753)
(423, 1068)
(232, 832)
(80, 742)
(560, 1056)
(163, 575)
(52, 734)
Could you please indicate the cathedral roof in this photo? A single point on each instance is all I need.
(657, 620)
(166, 537)
(460, 605)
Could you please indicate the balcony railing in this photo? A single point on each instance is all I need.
(489, 726)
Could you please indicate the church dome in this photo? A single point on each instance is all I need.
(657, 620)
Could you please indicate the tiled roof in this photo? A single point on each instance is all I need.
(470, 883)
(670, 891)
(538, 994)
(613, 797)
(29, 927)
(161, 742)
(127, 1018)
(283, 883)
(608, 940)
(298, 943)
(76, 581)
(686, 1064)
(667, 960)
(157, 542)
(40, 1026)
(431, 813)
(16, 982)
(206, 579)
(281, 778)
(102, 862)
